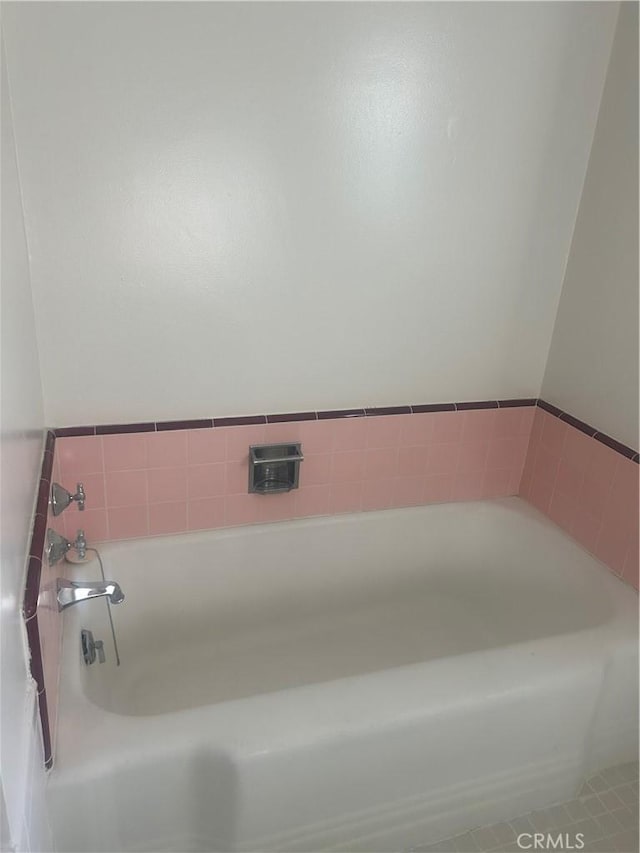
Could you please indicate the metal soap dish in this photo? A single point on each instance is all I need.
(274, 468)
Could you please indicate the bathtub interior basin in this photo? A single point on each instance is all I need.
(364, 682)
(248, 613)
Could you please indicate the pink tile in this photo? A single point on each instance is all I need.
(546, 464)
(442, 458)
(206, 514)
(472, 456)
(237, 477)
(383, 431)
(124, 452)
(347, 466)
(380, 464)
(288, 432)
(508, 422)
(514, 484)
(528, 417)
(468, 486)
(83, 453)
(167, 518)
(126, 488)
(206, 446)
(242, 509)
(167, 449)
(56, 473)
(315, 470)
(206, 481)
(412, 461)
(498, 483)
(603, 464)
(316, 436)
(345, 497)
(128, 522)
(92, 521)
(240, 438)
(167, 484)
(447, 427)
(562, 511)
(93, 485)
(593, 497)
(408, 491)
(478, 424)
(585, 528)
(553, 434)
(578, 449)
(507, 452)
(523, 484)
(528, 469)
(540, 492)
(416, 430)
(438, 488)
(312, 500)
(630, 568)
(569, 481)
(277, 507)
(538, 422)
(622, 504)
(349, 433)
(377, 494)
(614, 539)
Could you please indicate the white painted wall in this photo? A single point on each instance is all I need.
(237, 207)
(22, 774)
(592, 370)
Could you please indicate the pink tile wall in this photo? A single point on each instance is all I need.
(587, 489)
(145, 484)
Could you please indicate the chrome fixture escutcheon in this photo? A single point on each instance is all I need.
(61, 498)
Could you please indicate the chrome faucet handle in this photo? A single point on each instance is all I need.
(79, 496)
(80, 544)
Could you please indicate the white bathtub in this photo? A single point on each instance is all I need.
(368, 682)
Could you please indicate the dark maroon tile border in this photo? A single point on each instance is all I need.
(553, 410)
(481, 404)
(118, 429)
(46, 731)
(577, 424)
(32, 586)
(512, 404)
(244, 420)
(39, 525)
(68, 432)
(202, 423)
(371, 411)
(615, 445)
(433, 407)
(587, 429)
(387, 410)
(37, 668)
(293, 416)
(341, 413)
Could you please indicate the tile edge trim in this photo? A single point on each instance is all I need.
(32, 587)
(337, 414)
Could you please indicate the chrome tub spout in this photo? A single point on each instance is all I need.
(71, 592)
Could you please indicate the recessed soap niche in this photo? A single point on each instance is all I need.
(274, 468)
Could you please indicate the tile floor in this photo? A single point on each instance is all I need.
(605, 813)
